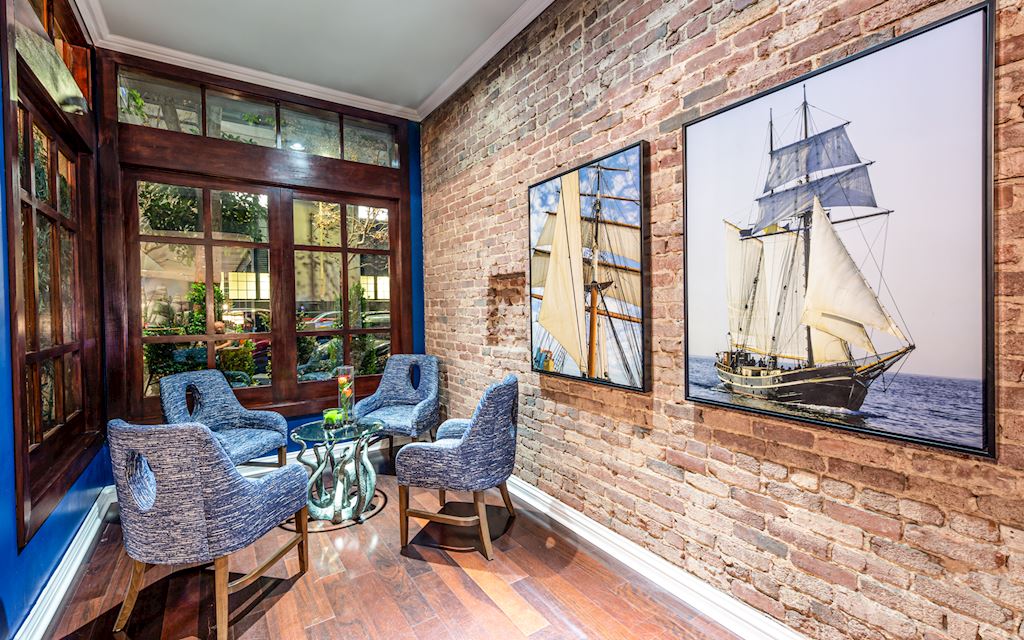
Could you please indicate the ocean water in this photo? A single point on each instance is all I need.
(946, 410)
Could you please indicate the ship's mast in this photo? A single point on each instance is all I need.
(594, 287)
(807, 238)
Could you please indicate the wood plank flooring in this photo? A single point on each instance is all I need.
(543, 584)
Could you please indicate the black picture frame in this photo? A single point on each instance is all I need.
(645, 270)
(988, 411)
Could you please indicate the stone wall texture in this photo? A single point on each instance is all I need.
(835, 534)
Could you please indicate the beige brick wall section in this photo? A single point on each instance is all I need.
(835, 534)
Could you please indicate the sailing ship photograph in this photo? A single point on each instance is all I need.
(586, 271)
(836, 244)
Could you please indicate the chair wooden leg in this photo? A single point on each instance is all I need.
(302, 526)
(507, 498)
(220, 580)
(282, 456)
(441, 497)
(485, 534)
(134, 586)
(403, 515)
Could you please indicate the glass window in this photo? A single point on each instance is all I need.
(369, 291)
(317, 223)
(242, 287)
(370, 352)
(170, 210)
(238, 215)
(310, 130)
(318, 293)
(370, 142)
(367, 227)
(245, 363)
(41, 163)
(67, 288)
(319, 357)
(240, 119)
(65, 184)
(173, 289)
(155, 102)
(44, 273)
(47, 398)
(161, 359)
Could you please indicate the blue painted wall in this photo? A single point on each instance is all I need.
(416, 231)
(23, 574)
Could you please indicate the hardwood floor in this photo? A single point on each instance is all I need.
(542, 584)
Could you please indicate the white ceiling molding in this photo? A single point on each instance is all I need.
(518, 21)
(96, 23)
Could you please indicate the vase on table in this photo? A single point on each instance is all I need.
(346, 392)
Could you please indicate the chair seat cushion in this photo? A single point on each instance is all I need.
(397, 418)
(452, 428)
(243, 445)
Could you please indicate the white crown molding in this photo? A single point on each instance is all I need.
(41, 616)
(518, 21)
(735, 615)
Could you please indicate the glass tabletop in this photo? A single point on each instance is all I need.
(315, 433)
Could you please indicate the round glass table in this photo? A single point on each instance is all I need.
(342, 483)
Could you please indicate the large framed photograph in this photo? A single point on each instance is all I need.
(838, 259)
(588, 271)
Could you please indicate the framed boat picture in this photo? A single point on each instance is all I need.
(838, 257)
(588, 271)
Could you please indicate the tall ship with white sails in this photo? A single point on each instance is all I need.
(585, 273)
(801, 312)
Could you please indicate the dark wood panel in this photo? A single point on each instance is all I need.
(173, 151)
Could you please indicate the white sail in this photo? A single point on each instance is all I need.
(839, 300)
(615, 238)
(828, 349)
(829, 149)
(848, 188)
(625, 282)
(742, 269)
(561, 311)
(777, 329)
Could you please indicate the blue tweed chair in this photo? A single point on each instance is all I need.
(182, 501)
(405, 410)
(469, 455)
(244, 434)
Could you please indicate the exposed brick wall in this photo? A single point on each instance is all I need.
(837, 535)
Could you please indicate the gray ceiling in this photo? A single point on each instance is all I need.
(395, 51)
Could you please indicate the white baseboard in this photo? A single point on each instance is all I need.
(37, 624)
(736, 616)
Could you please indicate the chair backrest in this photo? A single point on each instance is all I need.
(164, 475)
(215, 402)
(396, 386)
(493, 428)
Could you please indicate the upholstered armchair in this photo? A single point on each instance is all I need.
(469, 455)
(182, 501)
(404, 408)
(244, 434)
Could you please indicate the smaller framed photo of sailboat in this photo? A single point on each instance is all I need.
(838, 258)
(588, 271)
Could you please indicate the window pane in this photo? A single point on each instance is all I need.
(240, 120)
(317, 223)
(164, 359)
(67, 285)
(65, 184)
(44, 273)
(239, 216)
(41, 163)
(173, 289)
(170, 210)
(22, 150)
(245, 363)
(155, 102)
(310, 130)
(370, 142)
(370, 352)
(369, 291)
(318, 293)
(72, 384)
(242, 289)
(367, 227)
(47, 384)
(319, 357)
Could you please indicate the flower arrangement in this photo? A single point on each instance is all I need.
(346, 383)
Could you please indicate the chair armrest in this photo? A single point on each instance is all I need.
(368, 405)
(428, 464)
(425, 416)
(270, 420)
(452, 428)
